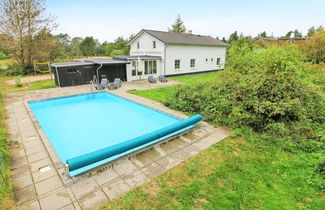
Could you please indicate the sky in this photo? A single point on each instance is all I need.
(105, 20)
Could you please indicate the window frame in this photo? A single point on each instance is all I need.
(192, 66)
(179, 64)
(218, 61)
(154, 44)
(138, 45)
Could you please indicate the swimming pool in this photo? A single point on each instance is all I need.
(82, 127)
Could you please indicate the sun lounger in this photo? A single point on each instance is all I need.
(151, 79)
(102, 84)
(162, 78)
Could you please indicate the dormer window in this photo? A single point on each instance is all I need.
(138, 45)
(154, 44)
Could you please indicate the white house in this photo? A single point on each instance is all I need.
(168, 53)
(151, 53)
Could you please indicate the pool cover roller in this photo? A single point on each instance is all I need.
(107, 152)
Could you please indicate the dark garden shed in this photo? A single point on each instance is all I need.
(83, 71)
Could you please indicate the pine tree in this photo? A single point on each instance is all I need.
(178, 26)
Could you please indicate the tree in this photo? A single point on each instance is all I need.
(314, 47)
(288, 35)
(297, 34)
(311, 31)
(263, 34)
(178, 26)
(233, 37)
(224, 40)
(21, 21)
(75, 46)
(88, 46)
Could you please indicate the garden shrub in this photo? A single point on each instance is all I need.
(260, 89)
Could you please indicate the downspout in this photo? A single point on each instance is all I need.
(165, 59)
(57, 74)
(101, 65)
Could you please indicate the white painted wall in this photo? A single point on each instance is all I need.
(173, 52)
(200, 53)
(146, 46)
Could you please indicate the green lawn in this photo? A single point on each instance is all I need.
(161, 94)
(237, 173)
(37, 85)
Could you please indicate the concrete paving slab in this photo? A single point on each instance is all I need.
(55, 200)
(34, 205)
(68, 207)
(37, 156)
(142, 160)
(39, 176)
(22, 181)
(153, 170)
(124, 167)
(189, 137)
(191, 149)
(168, 162)
(24, 195)
(18, 162)
(84, 188)
(116, 189)
(155, 154)
(21, 171)
(180, 155)
(48, 185)
(35, 166)
(93, 200)
(106, 177)
(136, 178)
(34, 149)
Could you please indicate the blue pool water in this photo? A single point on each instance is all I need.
(77, 125)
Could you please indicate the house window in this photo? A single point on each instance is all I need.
(150, 67)
(218, 61)
(192, 63)
(138, 45)
(206, 60)
(211, 60)
(134, 68)
(72, 70)
(177, 64)
(154, 67)
(154, 44)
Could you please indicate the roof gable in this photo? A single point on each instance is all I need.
(182, 38)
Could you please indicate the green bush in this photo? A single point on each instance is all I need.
(262, 90)
(13, 69)
(3, 55)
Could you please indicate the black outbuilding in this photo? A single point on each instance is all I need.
(84, 70)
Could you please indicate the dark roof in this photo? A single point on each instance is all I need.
(134, 57)
(66, 64)
(184, 38)
(90, 61)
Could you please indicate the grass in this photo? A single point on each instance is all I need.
(162, 94)
(5, 187)
(233, 174)
(237, 173)
(37, 85)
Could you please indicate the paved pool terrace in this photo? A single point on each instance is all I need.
(40, 180)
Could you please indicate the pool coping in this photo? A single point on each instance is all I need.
(206, 135)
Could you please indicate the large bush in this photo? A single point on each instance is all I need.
(261, 89)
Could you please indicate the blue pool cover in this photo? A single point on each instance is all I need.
(89, 130)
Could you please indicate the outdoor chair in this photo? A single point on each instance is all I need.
(102, 85)
(151, 79)
(162, 78)
(116, 84)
